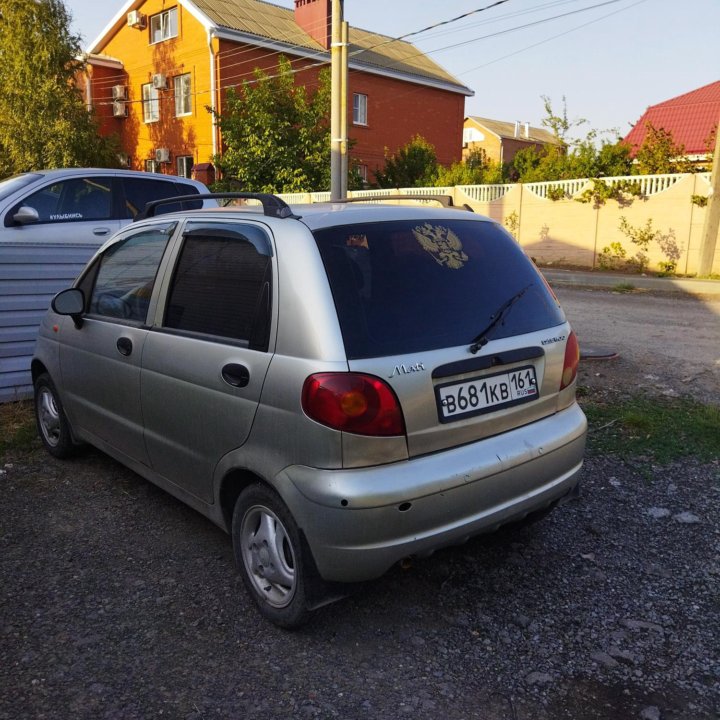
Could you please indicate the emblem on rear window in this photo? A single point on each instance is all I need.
(442, 243)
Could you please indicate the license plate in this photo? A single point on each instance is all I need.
(491, 392)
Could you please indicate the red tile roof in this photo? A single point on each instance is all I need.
(690, 118)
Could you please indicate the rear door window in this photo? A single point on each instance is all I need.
(221, 286)
(408, 286)
(139, 191)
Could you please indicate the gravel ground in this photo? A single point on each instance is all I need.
(118, 602)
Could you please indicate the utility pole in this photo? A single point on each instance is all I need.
(338, 136)
(712, 214)
(344, 111)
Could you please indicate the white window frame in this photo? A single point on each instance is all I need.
(164, 26)
(360, 109)
(150, 103)
(184, 165)
(152, 166)
(183, 94)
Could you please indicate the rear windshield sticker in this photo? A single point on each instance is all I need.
(442, 243)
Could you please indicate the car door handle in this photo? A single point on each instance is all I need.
(101, 231)
(124, 346)
(236, 375)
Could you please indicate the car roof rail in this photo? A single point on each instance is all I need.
(445, 200)
(272, 205)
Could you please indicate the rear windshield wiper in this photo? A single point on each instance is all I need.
(496, 318)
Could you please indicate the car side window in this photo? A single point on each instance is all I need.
(222, 284)
(73, 200)
(139, 191)
(126, 274)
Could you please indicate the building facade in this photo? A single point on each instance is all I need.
(501, 140)
(158, 68)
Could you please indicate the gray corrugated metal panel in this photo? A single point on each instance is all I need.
(18, 389)
(19, 333)
(32, 318)
(16, 349)
(18, 303)
(16, 254)
(45, 287)
(40, 272)
(11, 366)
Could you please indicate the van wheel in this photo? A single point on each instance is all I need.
(271, 558)
(53, 427)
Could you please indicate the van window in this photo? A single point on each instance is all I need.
(74, 200)
(221, 285)
(139, 191)
(402, 287)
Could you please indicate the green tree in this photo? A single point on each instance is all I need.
(413, 165)
(43, 119)
(559, 124)
(276, 134)
(660, 154)
(476, 169)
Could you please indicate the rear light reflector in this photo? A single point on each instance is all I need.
(353, 402)
(572, 360)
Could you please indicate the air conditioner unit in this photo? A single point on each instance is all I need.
(119, 92)
(162, 155)
(159, 81)
(119, 108)
(135, 19)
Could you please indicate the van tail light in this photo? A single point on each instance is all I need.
(572, 360)
(353, 402)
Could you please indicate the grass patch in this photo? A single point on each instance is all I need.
(662, 429)
(624, 287)
(17, 426)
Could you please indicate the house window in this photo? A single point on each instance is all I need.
(362, 171)
(151, 103)
(184, 166)
(152, 166)
(183, 95)
(359, 109)
(163, 26)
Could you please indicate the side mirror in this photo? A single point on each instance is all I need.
(26, 216)
(70, 302)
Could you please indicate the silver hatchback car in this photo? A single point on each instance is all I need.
(338, 386)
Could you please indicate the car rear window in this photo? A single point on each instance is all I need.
(408, 286)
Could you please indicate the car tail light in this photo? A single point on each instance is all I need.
(572, 360)
(353, 402)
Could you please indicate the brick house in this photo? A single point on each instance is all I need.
(158, 65)
(502, 140)
(691, 118)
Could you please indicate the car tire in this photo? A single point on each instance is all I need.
(275, 564)
(52, 424)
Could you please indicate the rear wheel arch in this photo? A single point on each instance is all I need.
(234, 482)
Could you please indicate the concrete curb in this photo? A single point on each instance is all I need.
(686, 286)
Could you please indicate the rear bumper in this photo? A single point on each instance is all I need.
(360, 522)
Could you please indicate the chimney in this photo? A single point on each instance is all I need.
(315, 18)
(517, 128)
(527, 130)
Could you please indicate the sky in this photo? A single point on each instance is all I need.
(609, 59)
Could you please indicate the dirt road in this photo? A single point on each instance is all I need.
(666, 343)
